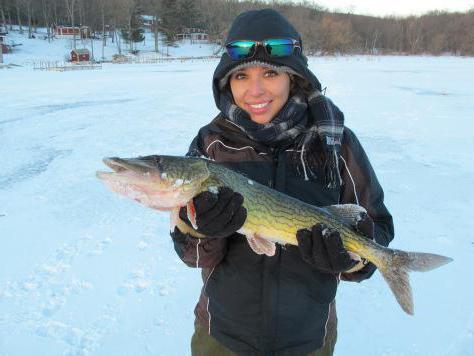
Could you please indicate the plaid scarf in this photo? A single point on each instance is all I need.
(303, 120)
(288, 124)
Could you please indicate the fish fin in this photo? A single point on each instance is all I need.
(396, 267)
(186, 229)
(354, 256)
(261, 246)
(191, 211)
(175, 221)
(350, 213)
(174, 217)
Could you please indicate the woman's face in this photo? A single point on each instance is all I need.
(260, 91)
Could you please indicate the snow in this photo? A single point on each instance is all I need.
(85, 272)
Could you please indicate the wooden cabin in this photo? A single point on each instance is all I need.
(83, 31)
(80, 55)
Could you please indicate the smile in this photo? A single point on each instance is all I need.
(259, 106)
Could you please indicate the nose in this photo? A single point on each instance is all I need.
(256, 87)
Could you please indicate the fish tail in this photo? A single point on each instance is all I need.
(396, 267)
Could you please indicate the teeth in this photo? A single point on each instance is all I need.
(259, 106)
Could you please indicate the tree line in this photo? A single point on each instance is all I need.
(324, 32)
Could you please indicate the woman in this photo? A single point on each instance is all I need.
(277, 128)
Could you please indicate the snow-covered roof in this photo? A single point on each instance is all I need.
(81, 50)
(76, 27)
(148, 17)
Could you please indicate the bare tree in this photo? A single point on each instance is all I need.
(17, 6)
(27, 5)
(414, 34)
(374, 42)
(46, 10)
(2, 12)
(120, 16)
(155, 9)
(336, 35)
(70, 10)
(9, 14)
(102, 4)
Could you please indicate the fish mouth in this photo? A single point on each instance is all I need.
(113, 165)
(116, 164)
(131, 167)
(139, 165)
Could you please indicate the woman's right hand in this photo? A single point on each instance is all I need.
(217, 215)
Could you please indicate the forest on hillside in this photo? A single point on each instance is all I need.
(324, 32)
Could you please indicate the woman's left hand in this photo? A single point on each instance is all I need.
(322, 248)
(365, 226)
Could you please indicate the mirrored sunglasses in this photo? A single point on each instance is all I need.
(274, 47)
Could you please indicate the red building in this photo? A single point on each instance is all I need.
(83, 31)
(3, 47)
(80, 55)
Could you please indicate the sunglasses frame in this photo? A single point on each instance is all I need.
(295, 43)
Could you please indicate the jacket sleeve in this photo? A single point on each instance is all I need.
(361, 186)
(203, 253)
(206, 252)
(195, 148)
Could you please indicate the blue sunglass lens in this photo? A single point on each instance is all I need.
(240, 49)
(279, 47)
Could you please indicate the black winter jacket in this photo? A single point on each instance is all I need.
(255, 304)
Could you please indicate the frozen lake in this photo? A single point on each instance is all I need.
(84, 272)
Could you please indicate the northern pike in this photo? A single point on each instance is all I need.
(167, 183)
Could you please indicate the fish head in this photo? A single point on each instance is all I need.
(159, 182)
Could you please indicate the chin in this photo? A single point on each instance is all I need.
(262, 119)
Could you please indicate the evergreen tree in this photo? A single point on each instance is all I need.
(170, 19)
(189, 13)
(134, 32)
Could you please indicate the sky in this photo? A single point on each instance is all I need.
(399, 8)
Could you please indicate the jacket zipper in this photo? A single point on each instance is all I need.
(272, 331)
(274, 167)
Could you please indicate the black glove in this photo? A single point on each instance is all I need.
(322, 248)
(217, 215)
(365, 226)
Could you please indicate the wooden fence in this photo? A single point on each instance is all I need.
(161, 59)
(61, 66)
(65, 66)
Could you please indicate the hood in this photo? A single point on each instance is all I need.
(259, 25)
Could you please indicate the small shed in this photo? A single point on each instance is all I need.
(80, 55)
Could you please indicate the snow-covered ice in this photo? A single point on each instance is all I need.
(86, 272)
